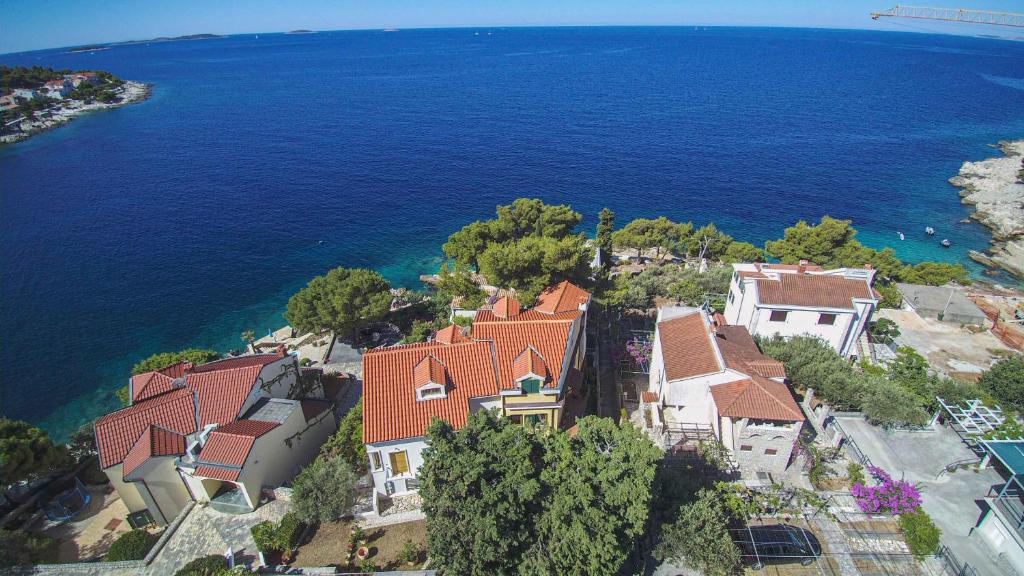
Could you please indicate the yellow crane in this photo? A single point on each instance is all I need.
(953, 15)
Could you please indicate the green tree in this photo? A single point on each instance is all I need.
(891, 296)
(27, 452)
(934, 273)
(419, 332)
(530, 264)
(818, 244)
(249, 337)
(347, 442)
(709, 242)
(742, 252)
(603, 237)
(132, 545)
(162, 360)
(466, 245)
(921, 534)
(598, 488)
(460, 282)
(1005, 381)
(82, 443)
(532, 217)
(884, 331)
(343, 301)
(660, 233)
(325, 490)
(24, 548)
(699, 538)
(480, 489)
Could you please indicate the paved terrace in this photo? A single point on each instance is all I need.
(954, 501)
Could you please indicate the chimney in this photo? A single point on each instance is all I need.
(802, 267)
(869, 267)
(281, 351)
(506, 307)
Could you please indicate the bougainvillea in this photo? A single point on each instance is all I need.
(640, 350)
(888, 497)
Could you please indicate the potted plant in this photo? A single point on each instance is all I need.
(362, 553)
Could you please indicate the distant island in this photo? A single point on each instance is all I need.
(90, 48)
(301, 32)
(94, 47)
(36, 99)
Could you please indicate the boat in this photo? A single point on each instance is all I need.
(929, 230)
(902, 237)
(946, 243)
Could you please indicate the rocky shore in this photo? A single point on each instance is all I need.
(994, 187)
(67, 110)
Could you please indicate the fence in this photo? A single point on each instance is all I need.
(1009, 335)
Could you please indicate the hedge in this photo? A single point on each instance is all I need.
(211, 565)
(133, 545)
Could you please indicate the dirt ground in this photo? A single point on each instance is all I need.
(954, 350)
(328, 546)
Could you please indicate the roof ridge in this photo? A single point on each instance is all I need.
(755, 380)
(537, 321)
(145, 404)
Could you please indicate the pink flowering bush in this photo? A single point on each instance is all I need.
(888, 497)
(640, 350)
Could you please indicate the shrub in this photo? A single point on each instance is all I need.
(283, 537)
(288, 531)
(921, 534)
(1005, 381)
(23, 548)
(211, 565)
(324, 490)
(409, 552)
(699, 538)
(855, 473)
(889, 497)
(133, 545)
(264, 535)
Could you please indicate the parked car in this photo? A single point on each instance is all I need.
(777, 544)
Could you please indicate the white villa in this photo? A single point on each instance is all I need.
(793, 300)
(218, 433)
(709, 381)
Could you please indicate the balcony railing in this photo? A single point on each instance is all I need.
(1010, 502)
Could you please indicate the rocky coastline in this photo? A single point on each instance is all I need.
(68, 110)
(995, 188)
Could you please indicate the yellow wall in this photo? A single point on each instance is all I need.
(126, 490)
(554, 413)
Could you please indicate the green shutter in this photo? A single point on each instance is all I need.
(531, 386)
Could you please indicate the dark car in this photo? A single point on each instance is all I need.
(776, 544)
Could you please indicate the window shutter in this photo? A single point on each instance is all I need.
(399, 463)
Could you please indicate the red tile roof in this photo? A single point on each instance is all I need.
(390, 408)
(564, 297)
(150, 384)
(450, 335)
(524, 316)
(506, 307)
(686, 347)
(118, 431)
(154, 441)
(223, 392)
(813, 291)
(741, 353)
(429, 370)
(238, 362)
(758, 398)
(230, 444)
(218, 472)
(529, 362)
(550, 338)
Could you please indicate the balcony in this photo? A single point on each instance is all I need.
(1010, 504)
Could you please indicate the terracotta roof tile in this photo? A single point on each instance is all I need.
(741, 353)
(390, 408)
(564, 297)
(245, 361)
(153, 442)
(813, 291)
(429, 370)
(118, 431)
(506, 307)
(758, 398)
(450, 335)
(223, 392)
(686, 347)
(550, 338)
(150, 384)
(525, 316)
(529, 362)
(230, 445)
(218, 472)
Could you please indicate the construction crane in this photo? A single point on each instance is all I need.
(953, 15)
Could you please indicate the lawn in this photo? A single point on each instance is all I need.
(328, 545)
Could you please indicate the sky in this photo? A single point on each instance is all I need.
(37, 24)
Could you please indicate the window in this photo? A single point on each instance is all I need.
(732, 297)
(433, 392)
(746, 448)
(770, 452)
(778, 316)
(534, 420)
(375, 460)
(515, 418)
(399, 463)
(530, 386)
(828, 319)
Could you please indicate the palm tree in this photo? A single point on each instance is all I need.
(249, 337)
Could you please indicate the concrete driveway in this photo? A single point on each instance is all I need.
(954, 501)
(949, 348)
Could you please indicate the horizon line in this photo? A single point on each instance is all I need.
(505, 26)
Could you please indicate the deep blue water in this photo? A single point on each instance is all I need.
(192, 216)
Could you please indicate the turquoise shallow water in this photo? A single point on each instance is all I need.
(190, 217)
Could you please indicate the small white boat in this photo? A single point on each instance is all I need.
(902, 237)
(946, 243)
(929, 231)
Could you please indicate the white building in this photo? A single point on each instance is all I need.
(710, 381)
(794, 300)
(218, 433)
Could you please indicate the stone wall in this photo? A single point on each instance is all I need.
(770, 448)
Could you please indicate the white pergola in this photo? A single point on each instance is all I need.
(973, 419)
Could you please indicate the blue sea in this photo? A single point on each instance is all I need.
(260, 162)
